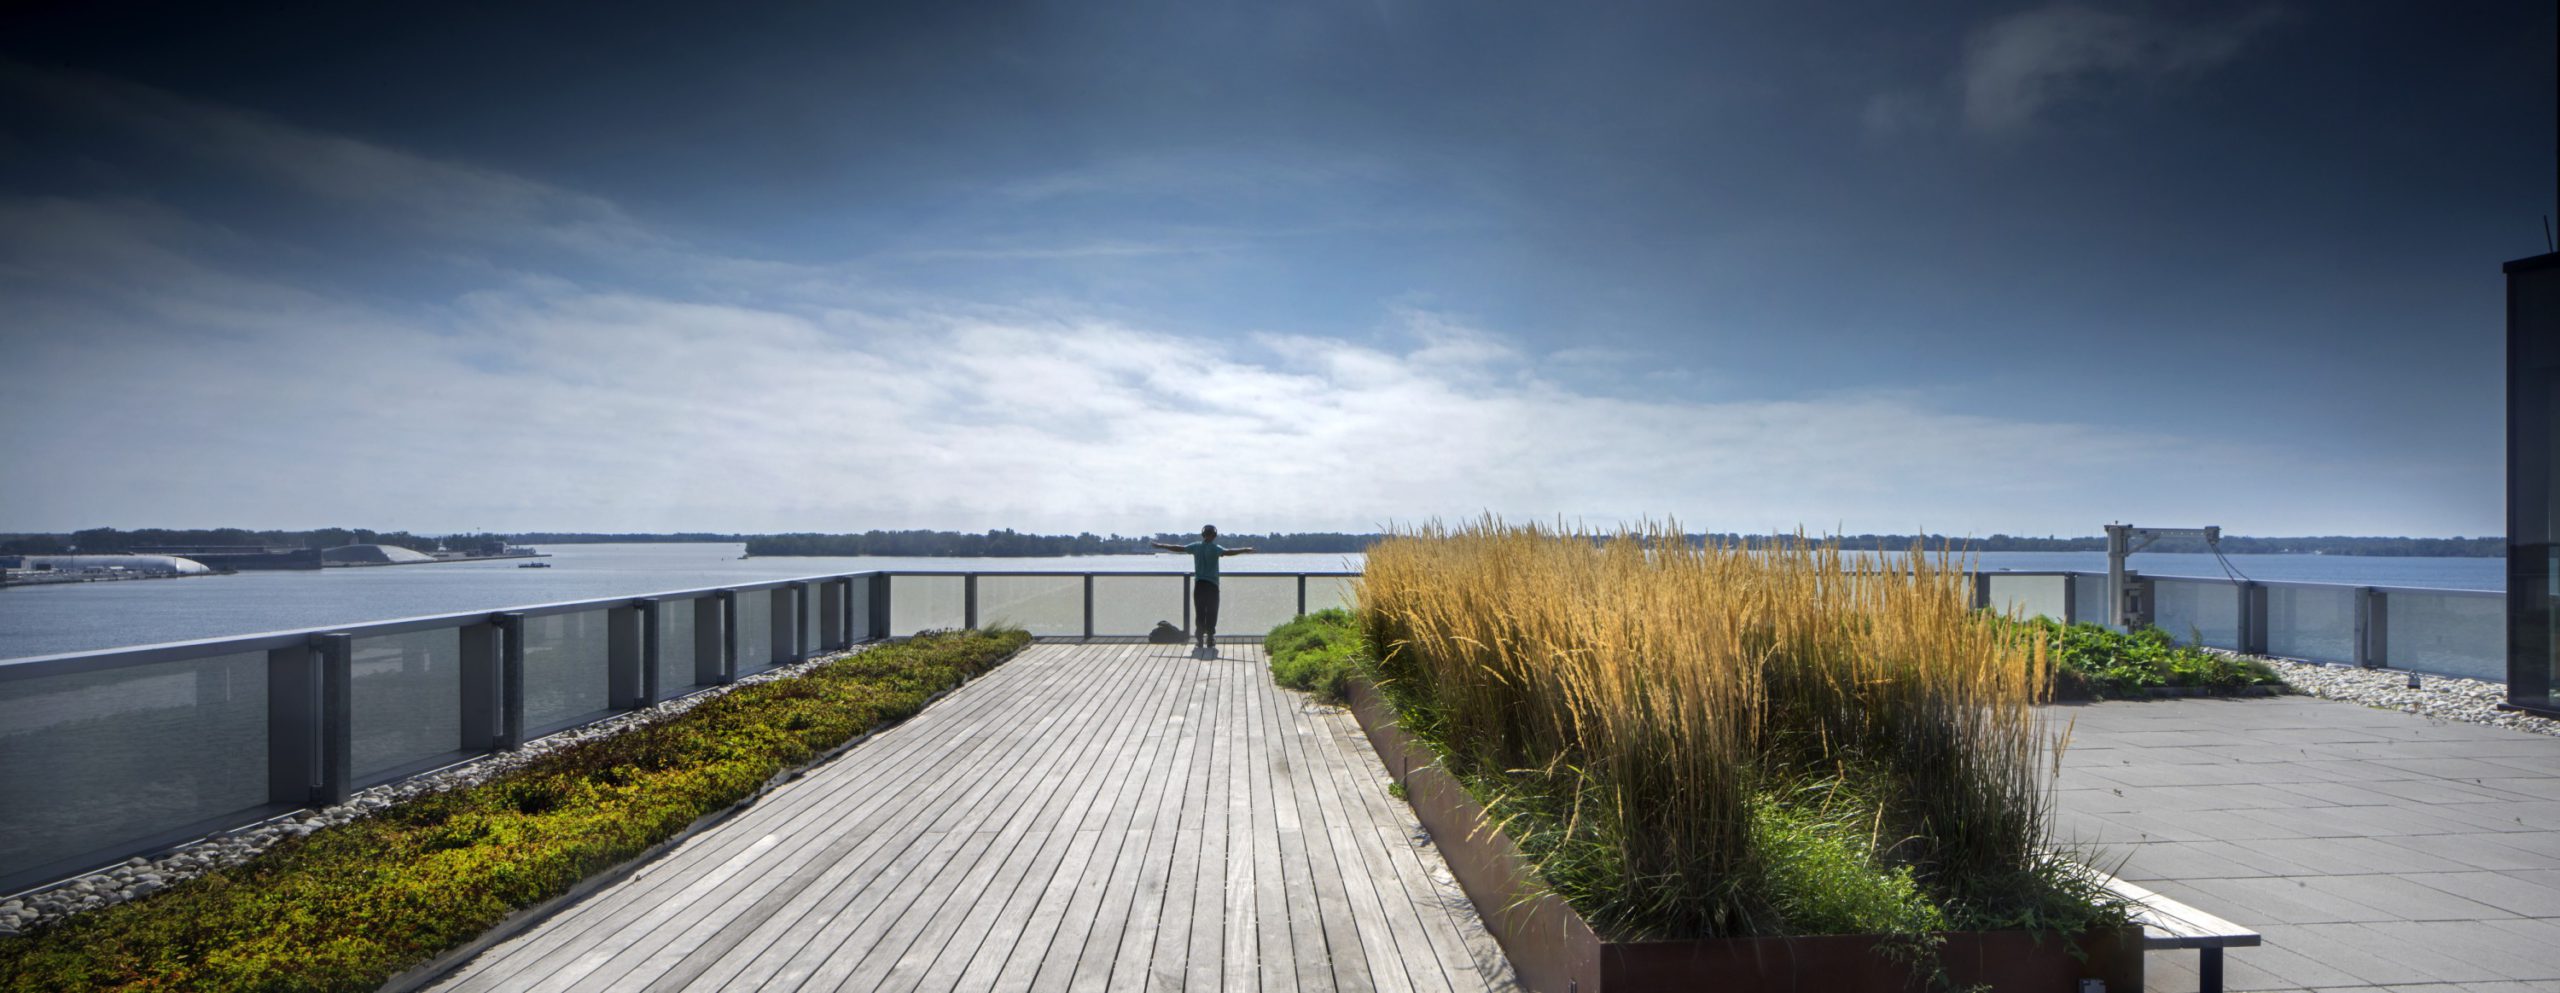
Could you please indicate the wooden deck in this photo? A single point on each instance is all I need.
(1086, 817)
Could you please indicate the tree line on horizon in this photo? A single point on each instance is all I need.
(1007, 543)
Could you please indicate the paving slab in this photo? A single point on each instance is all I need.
(2375, 850)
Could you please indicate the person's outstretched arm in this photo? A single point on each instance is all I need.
(1234, 551)
(1166, 547)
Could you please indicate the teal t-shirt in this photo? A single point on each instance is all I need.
(1204, 560)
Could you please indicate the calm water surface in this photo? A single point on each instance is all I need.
(42, 620)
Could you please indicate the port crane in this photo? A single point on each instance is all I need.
(2125, 608)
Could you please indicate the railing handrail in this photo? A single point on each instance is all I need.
(2294, 583)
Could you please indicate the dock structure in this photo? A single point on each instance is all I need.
(1085, 817)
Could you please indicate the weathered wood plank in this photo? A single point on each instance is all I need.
(526, 961)
(1087, 817)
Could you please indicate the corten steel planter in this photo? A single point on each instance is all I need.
(1553, 950)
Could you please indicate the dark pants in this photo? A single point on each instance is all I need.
(1204, 606)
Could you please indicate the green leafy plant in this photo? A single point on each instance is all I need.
(2092, 662)
(1316, 652)
(347, 907)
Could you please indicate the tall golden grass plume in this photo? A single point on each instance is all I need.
(1664, 683)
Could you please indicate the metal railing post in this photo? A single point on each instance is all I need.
(710, 640)
(969, 602)
(2253, 618)
(801, 645)
(337, 705)
(2378, 629)
(2070, 599)
(1186, 604)
(879, 605)
(1302, 595)
(480, 662)
(651, 651)
(293, 724)
(728, 636)
(1981, 590)
(1088, 606)
(510, 732)
(784, 610)
(622, 652)
(2363, 647)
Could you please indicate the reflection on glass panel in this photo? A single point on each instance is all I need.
(407, 695)
(675, 646)
(1042, 605)
(1332, 591)
(1250, 606)
(99, 759)
(2312, 622)
(857, 618)
(925, 603)
(2459, 634)
(1131, 606)
(2027, 596)
(564, 667)
(786, 625)
(2089, 599)
(755, 631)
(812, 616)
(2197, 611)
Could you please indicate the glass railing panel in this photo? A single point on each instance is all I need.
(1042, 605)
(1332, 591)
(2459, 634)
(675, 646)
(2089, 599)
(564, 667)
(2028, 596)
(925, 603)
(857, 618)
(2312, 622)
(858, 615)
(755, 631)
(1250, 606)
(2197, 611)
(815, 612)
(96, 760)
(1131, 606)
(406, 694)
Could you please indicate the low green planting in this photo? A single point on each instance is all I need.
(347, 907)
(1317, 653)
(2091, 662)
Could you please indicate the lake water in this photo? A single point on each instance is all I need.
(43, 620)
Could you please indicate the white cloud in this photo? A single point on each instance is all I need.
(555, 406)
(160, 376)
(2026, 64)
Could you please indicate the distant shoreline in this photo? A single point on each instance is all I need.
(1006, 543)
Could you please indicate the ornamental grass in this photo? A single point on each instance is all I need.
(1699, 740)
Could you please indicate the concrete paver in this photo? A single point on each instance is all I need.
(2377, 851)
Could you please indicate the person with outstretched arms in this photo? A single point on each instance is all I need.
(1205, 554)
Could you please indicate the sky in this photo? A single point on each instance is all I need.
(1967, 268)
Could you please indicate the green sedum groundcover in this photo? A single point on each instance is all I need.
(347, 907)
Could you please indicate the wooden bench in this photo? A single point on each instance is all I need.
(2166, 923)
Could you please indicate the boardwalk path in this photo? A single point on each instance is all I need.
(1086, 817)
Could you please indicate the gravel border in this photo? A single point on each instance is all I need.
(2447, 698)
(141, 876)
